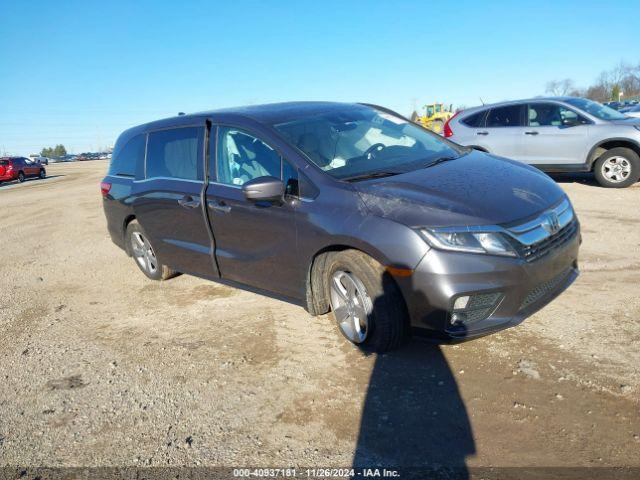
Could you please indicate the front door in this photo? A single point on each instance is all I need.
(255, 242)
(168, 200)
(555, 135)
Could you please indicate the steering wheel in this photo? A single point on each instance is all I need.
(375, 148)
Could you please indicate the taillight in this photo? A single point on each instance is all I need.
(9, 167)
(105, 187)
(447, 128)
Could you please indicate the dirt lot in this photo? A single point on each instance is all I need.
(101, 366)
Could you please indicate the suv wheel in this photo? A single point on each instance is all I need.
(42, 174)
(140, 248)
(366, 302)
(20, 177)
(618, 168)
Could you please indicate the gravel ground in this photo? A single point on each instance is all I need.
(100, 366)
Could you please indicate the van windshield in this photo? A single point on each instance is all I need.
(596, 109)
(358, 141)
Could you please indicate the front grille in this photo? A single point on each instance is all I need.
(543, 289)
(538, 250)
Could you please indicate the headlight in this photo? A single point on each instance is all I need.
(493, 243)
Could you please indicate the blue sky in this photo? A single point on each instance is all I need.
(80, 72)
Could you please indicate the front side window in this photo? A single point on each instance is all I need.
(176, 153)
(126, 161)
(596, 109)
(552, 115)
(242, 157)
(357, 140)
(510, 116)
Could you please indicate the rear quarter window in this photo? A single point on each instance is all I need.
(130, 158)
(475, 120)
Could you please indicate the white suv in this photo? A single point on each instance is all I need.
(556, 134)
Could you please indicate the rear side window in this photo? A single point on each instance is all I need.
(127, 160)
(476, 120)
(511, 116)
(176, 153)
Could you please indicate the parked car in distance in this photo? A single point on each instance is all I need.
(632, 111)
(555, 134)
(20, 168)
(348, 208)
(39, 159)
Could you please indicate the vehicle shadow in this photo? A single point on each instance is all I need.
(27, 180)
(585, 178)
(414, 419)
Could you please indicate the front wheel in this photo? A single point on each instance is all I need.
(367, 305)
(617, 168)
(140, 248)
(42, 174)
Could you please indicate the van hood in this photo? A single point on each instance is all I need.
(475, 189)
(627, 121)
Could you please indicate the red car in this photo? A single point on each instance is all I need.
(20, 168)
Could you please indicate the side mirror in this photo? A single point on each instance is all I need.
(570, 122)
(264, 189)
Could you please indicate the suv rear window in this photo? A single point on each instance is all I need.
(511, 116)
(128, 158)
(4, 162)
(176, 153)
(475, 120)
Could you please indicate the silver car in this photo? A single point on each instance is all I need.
(555, 134)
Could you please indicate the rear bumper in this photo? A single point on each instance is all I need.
(8, 177)
(524, 288)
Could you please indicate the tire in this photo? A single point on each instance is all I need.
(377, 298)
(437, 126)
(21, 177)
(617, 168)
(43, 174)
(140, 249)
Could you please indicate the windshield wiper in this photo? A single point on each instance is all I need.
(441, 160)
(364, 176)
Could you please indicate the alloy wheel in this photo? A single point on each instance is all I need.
(143, 253)
(351, 305)
(616, 169)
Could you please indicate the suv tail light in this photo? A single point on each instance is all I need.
(447, 128)
(105, 187)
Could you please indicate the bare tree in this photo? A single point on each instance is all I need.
(560, 88)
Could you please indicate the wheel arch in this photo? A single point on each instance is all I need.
(316, 296)
(125, 224)
(604, 145)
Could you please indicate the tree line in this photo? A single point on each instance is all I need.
(57, 151)
(622, 81)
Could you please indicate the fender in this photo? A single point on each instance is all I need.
(590, 161)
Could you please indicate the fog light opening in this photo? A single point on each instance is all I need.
(468, 309)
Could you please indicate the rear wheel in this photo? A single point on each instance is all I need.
(140, 248)
(21, 177)
(617, 168)
(367, 305)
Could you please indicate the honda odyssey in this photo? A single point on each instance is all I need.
(348, 208)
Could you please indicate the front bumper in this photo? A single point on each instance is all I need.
(442, 276)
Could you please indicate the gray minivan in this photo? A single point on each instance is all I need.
(347, 208)
(555, 134)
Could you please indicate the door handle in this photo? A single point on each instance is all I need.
(531, 132)
(219, 206)
(188, 202)
(482, 133)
